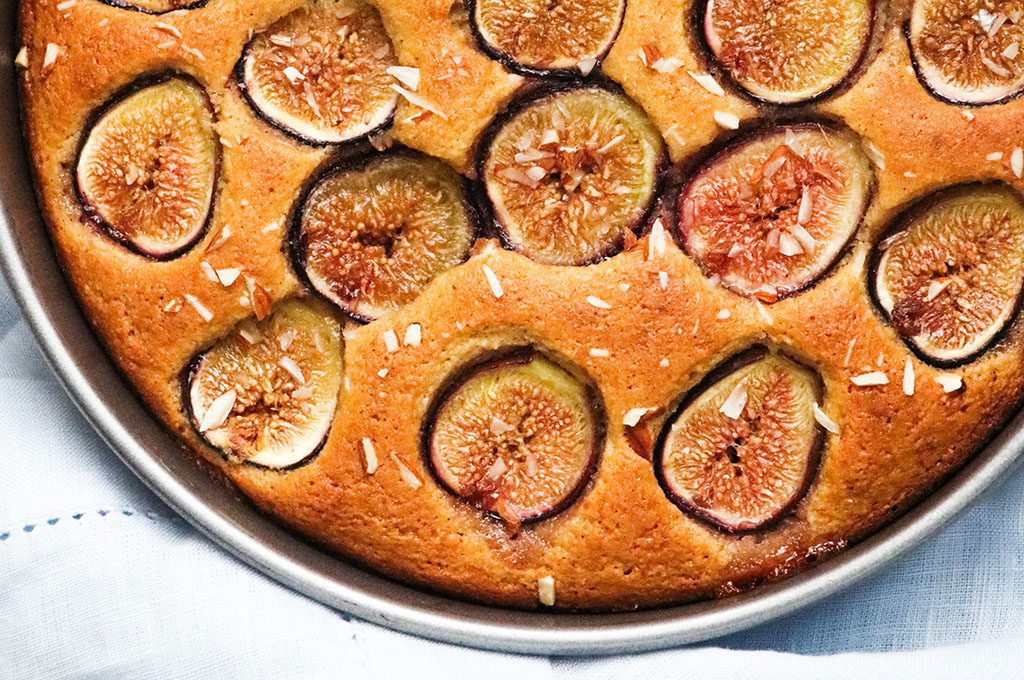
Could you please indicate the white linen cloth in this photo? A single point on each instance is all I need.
(99, 579)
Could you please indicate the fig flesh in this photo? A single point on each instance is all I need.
(157, 6)
(320, 73)
(570, 173)
(968, 51)
(770, 214)
(741, 448)
(371, 237)
(267, 393)
(517, 435)
(547, 37)
(950, 277)
(788, 51)
(147, 170)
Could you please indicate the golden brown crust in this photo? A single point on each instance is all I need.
(623, 544)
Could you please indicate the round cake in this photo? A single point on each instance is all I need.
(585, 304)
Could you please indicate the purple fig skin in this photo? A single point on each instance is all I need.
(506, 357)
(700, 18)
(243, 87)
(730, 365)
(92, 213)
(728, 144)
(295, 245)
(923, 80)
(514, 66)
(120, 4)
(528, 97)
(917, 208)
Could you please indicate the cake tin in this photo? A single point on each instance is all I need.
(104, 397)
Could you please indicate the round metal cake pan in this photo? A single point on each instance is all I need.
(149, 450)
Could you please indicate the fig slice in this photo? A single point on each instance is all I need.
(568, 174)
(788, 51)
(547, 37)
(157, 6)
(516, 434)
(371, 236)
(742, 447)
(320, 72)
(147, 169)
(950, 276)
(770, 214)
(266, 394)
(968, 51)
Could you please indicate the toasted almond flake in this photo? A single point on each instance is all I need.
(546, 590)
(727, 120)
(382, 373)
(586, 66)
(406, 75)
(420, 101)
(22, 58)
(1017, 162)
(612, 143)
(995, 68)
(516, 175)
(708, 82)
(222, 237)
(656, 241)
(302, 393)
(664, 363)
(499, 426)
(734, 404)
(806, 207)
(218, 412)
(804, 237)
(949, 382)
(723, 314)
(667, 65)
(492, 281)
(66, 5)
(50, 56)
(635, 415)
(413, 335)
(1011, 51)
(408, 476)
(824, 420)
(595, 301)
(173, 305)
(870, 379)
(293, 75)
(228, 275)
(288, 364)
(908, 378)
(994, 156)
(968, 114)
(536, 173)
(199, 307)
(260, 299)
(788, 245)
(496, 470)
(167, 28)
(208, 271)
(737, 249)
(875, 154)
(935, 289)
(599, 353)
(765, 315)
(849, 352)
(250, 334)
(390, 340)
(369, 456)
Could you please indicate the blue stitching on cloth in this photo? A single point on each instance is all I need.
(127, 512)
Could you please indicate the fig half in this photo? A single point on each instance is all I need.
(267, 393)
(741, 449)
(788, 51)
(968, 51)
(950, 276)
(568, 174)
(771, 213)
(370, 237)
(147, 169)
(517, 435)
(320, 73)
(157, 6)
(547, 37)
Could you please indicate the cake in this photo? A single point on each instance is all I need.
(588, 304)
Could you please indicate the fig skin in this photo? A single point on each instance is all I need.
(920, 72)
(296, 248)
(495, 359)
(123, 4)
(93, 214)
(191, 371)
(239, 76)
(729, 366)
(529, 98)
(513, 66)
(904, 220)
(734, 145)
(701, 14)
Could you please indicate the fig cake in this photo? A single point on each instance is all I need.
(584, 304)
